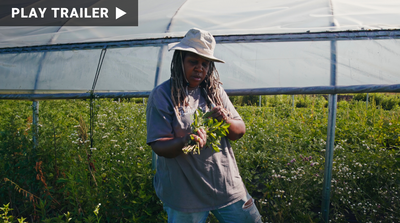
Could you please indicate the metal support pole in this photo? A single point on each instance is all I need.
(35, 123)
(92, 95)
(330, 140)
(329, 157)
(367, 100)
(259, 102)
(293, 101)
(154, 156)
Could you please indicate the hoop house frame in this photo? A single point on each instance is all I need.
(332, 90)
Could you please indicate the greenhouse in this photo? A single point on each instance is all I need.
(269, 48)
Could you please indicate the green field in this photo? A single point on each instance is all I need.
(281, 160)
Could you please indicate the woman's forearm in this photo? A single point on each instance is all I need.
(172, 147)
(169, 148)
(236, 129)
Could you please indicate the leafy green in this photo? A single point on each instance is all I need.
(215, 130)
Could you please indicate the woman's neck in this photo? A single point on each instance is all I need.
(192, 88)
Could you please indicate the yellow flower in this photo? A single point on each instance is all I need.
(96, 211)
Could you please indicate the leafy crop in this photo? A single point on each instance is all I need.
(214, 129)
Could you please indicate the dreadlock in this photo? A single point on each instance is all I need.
(178, 83)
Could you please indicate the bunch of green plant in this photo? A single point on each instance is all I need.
(214, 129)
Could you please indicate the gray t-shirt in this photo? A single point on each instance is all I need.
(191, 183)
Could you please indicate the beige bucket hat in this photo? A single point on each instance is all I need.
(199, 42)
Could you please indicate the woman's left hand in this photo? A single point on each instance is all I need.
(237, 128)
(220, 113)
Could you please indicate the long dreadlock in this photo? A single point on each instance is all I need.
(178, 83)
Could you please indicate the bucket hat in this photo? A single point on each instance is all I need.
(199, 42)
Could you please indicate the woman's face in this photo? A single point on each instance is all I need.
(196, 68)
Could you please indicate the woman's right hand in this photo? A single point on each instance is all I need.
(172, 147)
(201, 137)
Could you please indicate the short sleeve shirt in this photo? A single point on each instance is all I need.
(191, 182)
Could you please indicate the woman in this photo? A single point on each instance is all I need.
(192, 185)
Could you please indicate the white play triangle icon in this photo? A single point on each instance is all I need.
(119, 13)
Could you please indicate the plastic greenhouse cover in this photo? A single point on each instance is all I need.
(220, 17)
(130, 69)
(248, 65)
